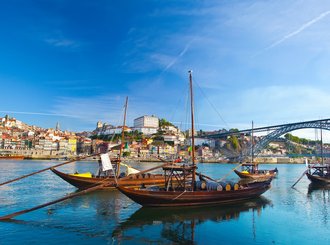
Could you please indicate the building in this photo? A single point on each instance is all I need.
(146, 124)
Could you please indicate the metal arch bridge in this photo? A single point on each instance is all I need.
(277, 131)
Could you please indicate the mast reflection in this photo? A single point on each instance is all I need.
(178, 224)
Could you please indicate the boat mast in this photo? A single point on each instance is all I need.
(321, 146)
(122, 137)
(192, 128)
(252, 150)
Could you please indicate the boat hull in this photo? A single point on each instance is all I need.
(12, 157)
(270, 174)
(150, 198)
(318, 179)
(134, 181)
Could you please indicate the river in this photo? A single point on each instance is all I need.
(281, 216)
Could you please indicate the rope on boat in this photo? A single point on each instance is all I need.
(179, 195)
(224, 177)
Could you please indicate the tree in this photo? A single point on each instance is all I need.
(234, 142)
(163, 122)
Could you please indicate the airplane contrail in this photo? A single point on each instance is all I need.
(179, 56)
(296, 32)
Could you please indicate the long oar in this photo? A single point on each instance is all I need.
(205, 176)
(224, 177)
(299, 178)
(45, 169)
(99, 185)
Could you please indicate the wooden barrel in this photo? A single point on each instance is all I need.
(213, 186)
(200, 185)
(233, 185)
(225, 185)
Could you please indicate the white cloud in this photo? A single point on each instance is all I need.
(91, 109)
(281, 104)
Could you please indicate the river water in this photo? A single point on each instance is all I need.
(281, 216)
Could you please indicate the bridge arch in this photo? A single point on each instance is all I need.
(285, 129)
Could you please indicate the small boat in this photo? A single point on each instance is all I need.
(11, 157)
(187, 191)
(251, 171)
(319, 173)
(88, 180)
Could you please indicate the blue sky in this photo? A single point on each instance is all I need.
(74, 62)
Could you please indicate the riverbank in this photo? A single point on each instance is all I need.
(261, 160)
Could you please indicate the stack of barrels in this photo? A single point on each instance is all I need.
(216, 186)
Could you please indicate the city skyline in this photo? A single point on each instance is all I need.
(75, 62)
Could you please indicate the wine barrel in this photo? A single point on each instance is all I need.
(213, 186)
(200, 185)
(233, 185)
(225, 185)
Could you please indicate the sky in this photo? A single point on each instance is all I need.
(74, 62)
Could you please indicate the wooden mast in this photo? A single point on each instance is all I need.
(122, 138)
(252, 149)
(322, 161)
(192, 129)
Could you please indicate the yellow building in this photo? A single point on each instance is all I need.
(72, 145)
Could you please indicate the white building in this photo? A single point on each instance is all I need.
(146, 124)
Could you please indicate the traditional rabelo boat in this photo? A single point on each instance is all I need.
(110, 175)
(132, 180)
(186, 191)
(250, 170)
(7, 156)
(319, 173)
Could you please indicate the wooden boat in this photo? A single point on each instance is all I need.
(319, 174)
(251, 171)
(133, 181)
(163, 197)
(11, 157)
(189, 192)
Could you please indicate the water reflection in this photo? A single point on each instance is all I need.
(321, 195)
(318, 188)
(178, 225)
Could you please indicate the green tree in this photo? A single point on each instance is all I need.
(234, 142)
(163, 122)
